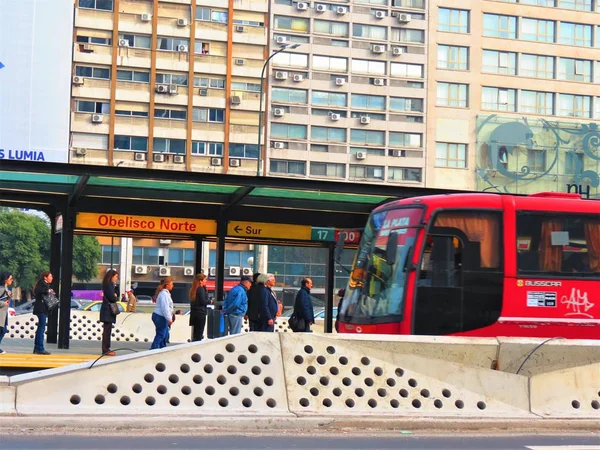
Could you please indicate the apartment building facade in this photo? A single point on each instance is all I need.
(513, 104)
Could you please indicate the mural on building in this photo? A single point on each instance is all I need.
(526, 155)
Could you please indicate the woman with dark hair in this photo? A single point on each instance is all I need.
(110, 291)
(198, 303)
(6, 280)
(163, 315)
(41, 311)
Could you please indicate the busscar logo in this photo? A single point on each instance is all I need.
(543, 283)
(520, 283)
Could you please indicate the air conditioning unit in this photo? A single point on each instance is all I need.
(146, 17)
(188, 271)
(164, 271)
(334, 116)
(247, 271)
(178, 159)
(378, 48)
(234, 271)
(164, 241)
(278, 112)
(398, 153)
(212, 271)
(97, 118)
(173, 89)
(298, 77)
(123, 43)
(139, 156)
(182, 22)
(234, 162)
(81, 151)
(236, 100)
(341, 10)
(281, 40)
(239, 29)
(397, 51)
(216, 161)
(77, 81)
(87, 48)
(162, 88)
(281, 75)
(379, 14)
(203, 92)
(379, 82)
(321, 8)
(140, 270)
(278, 145)
(182, 48)
(239, 62)
(361, 155)
(340, 81)
(158, 157)
(365, 120)
(404, 18)
(301, 6)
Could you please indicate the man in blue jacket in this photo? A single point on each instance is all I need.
(236, 305)
(303, 306)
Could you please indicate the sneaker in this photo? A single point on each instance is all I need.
(2, 351)
(43, 352)
(111, 353)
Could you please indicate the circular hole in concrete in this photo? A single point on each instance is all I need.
(372, 403)
(365, 361)
(265, 360)
(334, 370)
(256, 370)
(223, 402)
(459, 404)
(416, 403)
(75, 399)
(337, 392)
(173, 378)
(271, 403)
(161, 389)
(221, 379)
(327, 403)
(210, 390)
(232, 370)
(160, 367)
(304, 402)
(197, 379)
(244, 380)
(356, 371)
(234, 391)
(314, 391)
(268, 381)
(208, 368)
(595, 404)
(311, 370)
(321, 359)
(324, 381)
(394, 403)
(247, 402)
(403, 393)
(150, 401)
(343, 360)
(438, 403)
(378, 371)
(481, 405)
(112, 388)
(381, 392)
(219, 358)
(391, 382)
(308, 349)
(184, 368)
(242, 359)
(186, 390)
(230, 348)
(137, 388)
(399, 372)
(258, 392)
(359, 392)
(198, 401)
(301, 381)
(99, 399)
(148, 378)
(331, 350)
(576, 404)
(350, 403)
(412, 382)
(252, 348)
(446, 393)
(125, 400)
(196, 358)
(298, 359)
(346, 381)
(425, 393)
(369, 382)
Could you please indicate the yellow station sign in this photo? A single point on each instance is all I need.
(145, 224)
(269, 230)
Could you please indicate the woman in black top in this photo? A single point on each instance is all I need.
(41, 311)
(110, 291)
(198, 303)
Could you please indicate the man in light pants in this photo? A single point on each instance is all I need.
(236, 305)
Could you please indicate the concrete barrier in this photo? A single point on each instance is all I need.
(7, 397)
(567, 393)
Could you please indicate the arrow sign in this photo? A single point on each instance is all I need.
(237, 229)
(2, 65)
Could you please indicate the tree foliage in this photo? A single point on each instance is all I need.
(86, 255)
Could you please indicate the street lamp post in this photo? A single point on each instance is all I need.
(260, 111)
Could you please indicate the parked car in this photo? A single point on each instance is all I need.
(144, 298)
(27, 307)
(95, 306)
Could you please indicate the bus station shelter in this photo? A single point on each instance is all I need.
(135, 202)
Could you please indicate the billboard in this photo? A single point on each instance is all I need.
(35, 79)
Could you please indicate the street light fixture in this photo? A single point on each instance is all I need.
(260, 111)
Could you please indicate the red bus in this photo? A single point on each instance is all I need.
(478, 265)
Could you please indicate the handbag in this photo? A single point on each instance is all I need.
(114, 309)
(296, 324)
(50, 300)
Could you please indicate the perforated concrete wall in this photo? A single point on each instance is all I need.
(568, 393)
(232, 375)
(336, 376)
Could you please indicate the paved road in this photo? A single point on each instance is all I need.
(321, 442)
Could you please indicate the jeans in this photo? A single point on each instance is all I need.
(162, 331)
(235, 324)
(38, 343)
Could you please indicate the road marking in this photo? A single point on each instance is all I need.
(565, 447)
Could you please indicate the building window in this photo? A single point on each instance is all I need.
(249, 151)
(452, 94)
(133, 75)
(453, 57)
(573, 162)
(248, 87)
(405, 139)
(575, 34)
(111, 254)
(215, 115)
(450, 155)
(94, 40)
(374, 102)
(365, 172)
(320, 169)
(400, 104)
(536, 160)
(368, 67)
(580, 5)
(248, 23)
(537, 30)
(366, 137)
(453, 20)
(147, 256)
(502, 63)
(407, 70)
(537, 102)
(87, 106)
(574, 105)
(172, 78)
(207, 148)
(328, 134)
(575, 70)
(320, 98)
(408, 36)
(288, 167)
(137, 40)
(130, 113)
(296, 24)
(291, 60)
(164, 145)
(213, 83)
(499, 99)
(287, 131)
(495, 25)
(218, 16)
(206, 15)
(286, 95)
(203, 14)
(201, 47)
(339, 29)
(369, 31)
(104, 5)
(330, 63)
(135, 143)
(175, 114)
(536, 66)
(405, 174)
(171, 44)
(92, 72)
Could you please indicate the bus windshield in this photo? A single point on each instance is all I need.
(376, 286)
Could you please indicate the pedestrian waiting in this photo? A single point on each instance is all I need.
(236, 305)
(42, 288)
(6, 280)
(163, 315)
